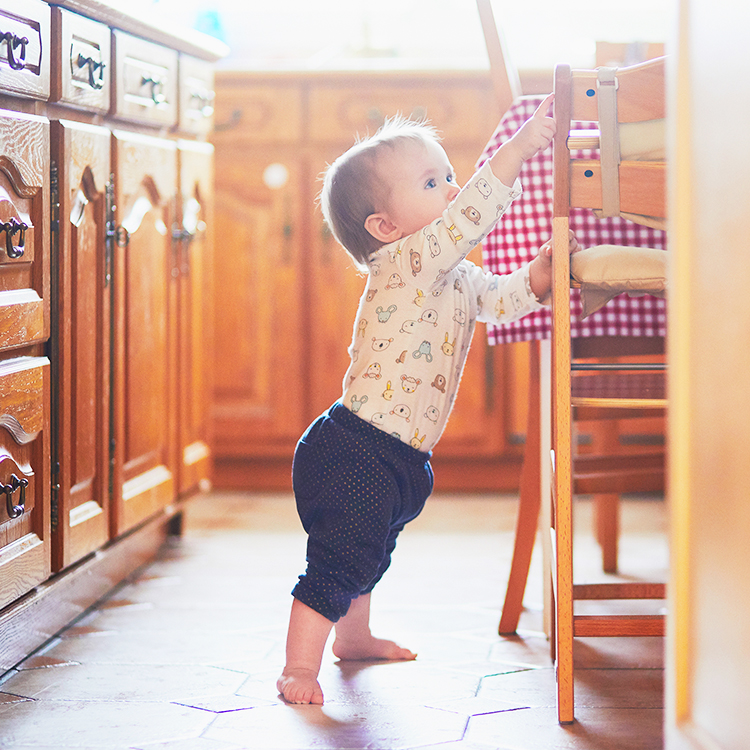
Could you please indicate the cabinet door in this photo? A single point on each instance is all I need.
(24, 369)
(144, 364)
(82, 343)
(262, 380)
(191, 273)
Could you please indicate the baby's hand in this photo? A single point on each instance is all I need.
(540, 269)
(545, 251)
(536, 133)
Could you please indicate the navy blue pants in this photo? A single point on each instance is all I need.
(356, 488)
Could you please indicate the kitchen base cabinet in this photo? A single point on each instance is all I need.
(105, 238)
(286, 292)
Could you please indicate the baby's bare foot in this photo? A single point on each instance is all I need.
(371, 648)
(300, 686)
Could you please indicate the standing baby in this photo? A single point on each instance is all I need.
(362, 469)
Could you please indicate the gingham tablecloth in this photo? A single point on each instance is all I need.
(528, 223)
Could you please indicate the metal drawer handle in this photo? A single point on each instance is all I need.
(204, 102)
(156, 84)
(13, 41)
(14, 511)
(10, 228)
(93, 66)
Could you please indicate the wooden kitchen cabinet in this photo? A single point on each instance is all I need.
(145, 169)
(81, 154)
(191, 274)
(260, 382)
(105, 242)
(286, 293)
(25, 535)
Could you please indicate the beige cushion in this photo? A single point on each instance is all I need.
(604, 271)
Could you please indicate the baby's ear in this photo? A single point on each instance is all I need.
(382, 228)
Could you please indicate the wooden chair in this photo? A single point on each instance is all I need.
(592, 469)
(583, 388)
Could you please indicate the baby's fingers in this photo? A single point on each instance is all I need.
(541, 110)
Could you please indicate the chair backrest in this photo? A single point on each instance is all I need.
(505, 79)
(618, 182)
(578, 183)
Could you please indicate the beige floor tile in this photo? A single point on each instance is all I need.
(164, 647)
(185, 655)
(203, 619)
(198, 743)
(118, 682)
(612, 688)
(338, 727)
(394, 683)
(94, 723)
(619, 653)
(594, 729)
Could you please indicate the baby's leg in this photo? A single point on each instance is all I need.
(355, 641)
(306, 640)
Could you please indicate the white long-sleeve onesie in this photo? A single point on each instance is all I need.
(417, 316)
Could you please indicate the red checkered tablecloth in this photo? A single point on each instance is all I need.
(528, 223)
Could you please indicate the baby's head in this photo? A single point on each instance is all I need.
(359, 185)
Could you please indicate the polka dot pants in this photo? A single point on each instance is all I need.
(356, 488)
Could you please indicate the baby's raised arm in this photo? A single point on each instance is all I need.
(531, 138)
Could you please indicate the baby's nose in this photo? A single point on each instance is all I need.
(452, 192)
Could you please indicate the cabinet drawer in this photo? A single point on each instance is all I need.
(24, 262)
(24, 461)
(22, 397)
(82, 73)
(338, 112)
(145, 80)
(25, 48)
(262, 113)
(196, 95)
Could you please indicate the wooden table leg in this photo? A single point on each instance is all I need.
(528, 506)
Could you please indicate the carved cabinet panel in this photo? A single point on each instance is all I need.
(145, 170)
(191, 275)
(82, 363)
(261, 296)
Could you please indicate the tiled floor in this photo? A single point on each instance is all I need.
(185, 655)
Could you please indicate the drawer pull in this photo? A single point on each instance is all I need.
(203, 103)
(14, 511)
(13, 41)
(156, 84)
(10, 228)
(93, 66)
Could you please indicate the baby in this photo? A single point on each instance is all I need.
(362, 469)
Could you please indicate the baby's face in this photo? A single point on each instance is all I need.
(422, 184)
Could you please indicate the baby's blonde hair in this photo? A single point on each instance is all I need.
(353, 189)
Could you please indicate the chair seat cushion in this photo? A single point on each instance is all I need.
(604, 271)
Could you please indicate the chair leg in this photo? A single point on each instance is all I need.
(607, 506)
(607, 511)
(528, 507)
(564, 611)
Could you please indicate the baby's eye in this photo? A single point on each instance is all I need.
(451, 177)
(431, 183)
